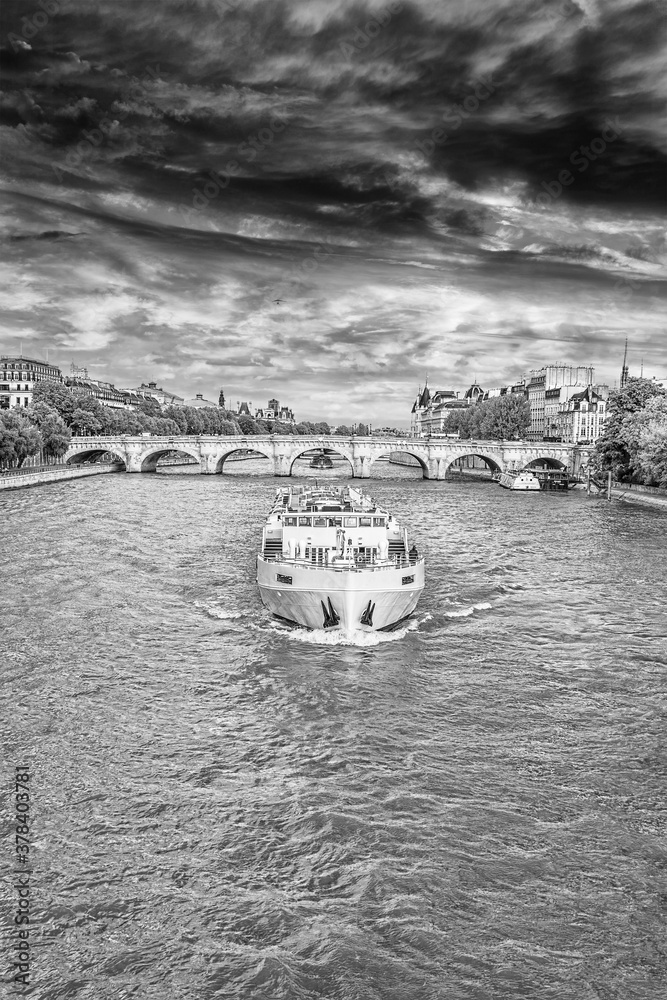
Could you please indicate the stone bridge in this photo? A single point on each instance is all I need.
(435, 455)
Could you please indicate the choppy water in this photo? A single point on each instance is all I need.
(473, 807)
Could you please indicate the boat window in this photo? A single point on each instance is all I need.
(335, 522)
(290, 520)
(305, 522)
(319, 522)
(378, 522)
(350, 522)
(283, 579)
(408, 579)
(364, 522)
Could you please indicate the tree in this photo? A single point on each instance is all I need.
(19, 437)
(502, 418)
(618, 446)
(150, 406)
(343, 430)
(85, 422)
(221, 399)
(248, 425)
(57, 397)
(647, 434)
(176, 414)
(56, 436)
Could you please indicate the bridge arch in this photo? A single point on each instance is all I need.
(492, 463)
(222, 458)
(421, 458)
(149, 459)
(92, 455)
(545, 461)
(302, 450)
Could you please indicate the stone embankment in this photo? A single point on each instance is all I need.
(53, 474)
(631, 493)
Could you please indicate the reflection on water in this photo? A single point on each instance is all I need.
(471, 807)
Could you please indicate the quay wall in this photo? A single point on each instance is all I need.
(632, 493)
(12, 481)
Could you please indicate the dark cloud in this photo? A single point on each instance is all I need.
(384, 167)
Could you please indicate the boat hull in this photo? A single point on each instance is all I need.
(522, 482)
(367, 599)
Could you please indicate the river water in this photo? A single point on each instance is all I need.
(472, 807)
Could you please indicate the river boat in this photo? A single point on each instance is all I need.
(518, 479)
(334, 559)
(321, 461)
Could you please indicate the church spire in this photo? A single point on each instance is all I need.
(624, 369)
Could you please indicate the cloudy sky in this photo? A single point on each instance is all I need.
(325, 200)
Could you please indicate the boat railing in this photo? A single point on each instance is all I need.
(348, 567)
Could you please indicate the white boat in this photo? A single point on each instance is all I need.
(518, 479)
(334, 559)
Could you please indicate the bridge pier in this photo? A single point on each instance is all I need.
(282, 465)
(208, 460)
(361, 467)
(132, 461)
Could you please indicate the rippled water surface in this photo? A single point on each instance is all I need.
(473, 807)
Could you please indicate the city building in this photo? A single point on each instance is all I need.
(430, 411)
(274, 411)
(474, 394)
(151, 390)
(540, 381)
(580, 418)
(105, 392)
(18, 377)
(199, 402)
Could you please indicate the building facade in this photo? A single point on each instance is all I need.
(430, 411)
(199, 402)
(105, 392)
(18, 377)
(151, 390)
(274, 411)
(581, 418)
(542, 380)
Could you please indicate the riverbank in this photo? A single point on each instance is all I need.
(631, 493)
(20, 478)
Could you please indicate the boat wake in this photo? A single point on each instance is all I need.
(465, 612)
(352, 637)
(215, 611)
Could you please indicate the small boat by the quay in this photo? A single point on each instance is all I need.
(335, 559)
(519, 479)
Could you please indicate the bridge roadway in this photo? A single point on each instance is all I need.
(435, 455)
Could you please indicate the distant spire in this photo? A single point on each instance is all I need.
(624, 369)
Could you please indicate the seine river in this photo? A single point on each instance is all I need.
(473, 807)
